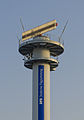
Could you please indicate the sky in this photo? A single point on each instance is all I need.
(67, 82)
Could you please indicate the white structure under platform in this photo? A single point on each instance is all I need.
(39, 56)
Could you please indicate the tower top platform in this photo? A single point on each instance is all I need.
(40, 50)
(27, 47)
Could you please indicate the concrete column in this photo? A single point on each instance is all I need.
(41, 87)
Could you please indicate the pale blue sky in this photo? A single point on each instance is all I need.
(67, 82)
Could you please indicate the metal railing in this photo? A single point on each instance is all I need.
(26, 58)
(51, 36)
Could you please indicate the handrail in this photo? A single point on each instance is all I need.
(51, 36)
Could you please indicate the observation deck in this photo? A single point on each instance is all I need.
(44, 46)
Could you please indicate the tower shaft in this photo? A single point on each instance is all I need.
(41, 86)
(41, 92)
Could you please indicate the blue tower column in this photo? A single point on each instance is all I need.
(41, 92)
